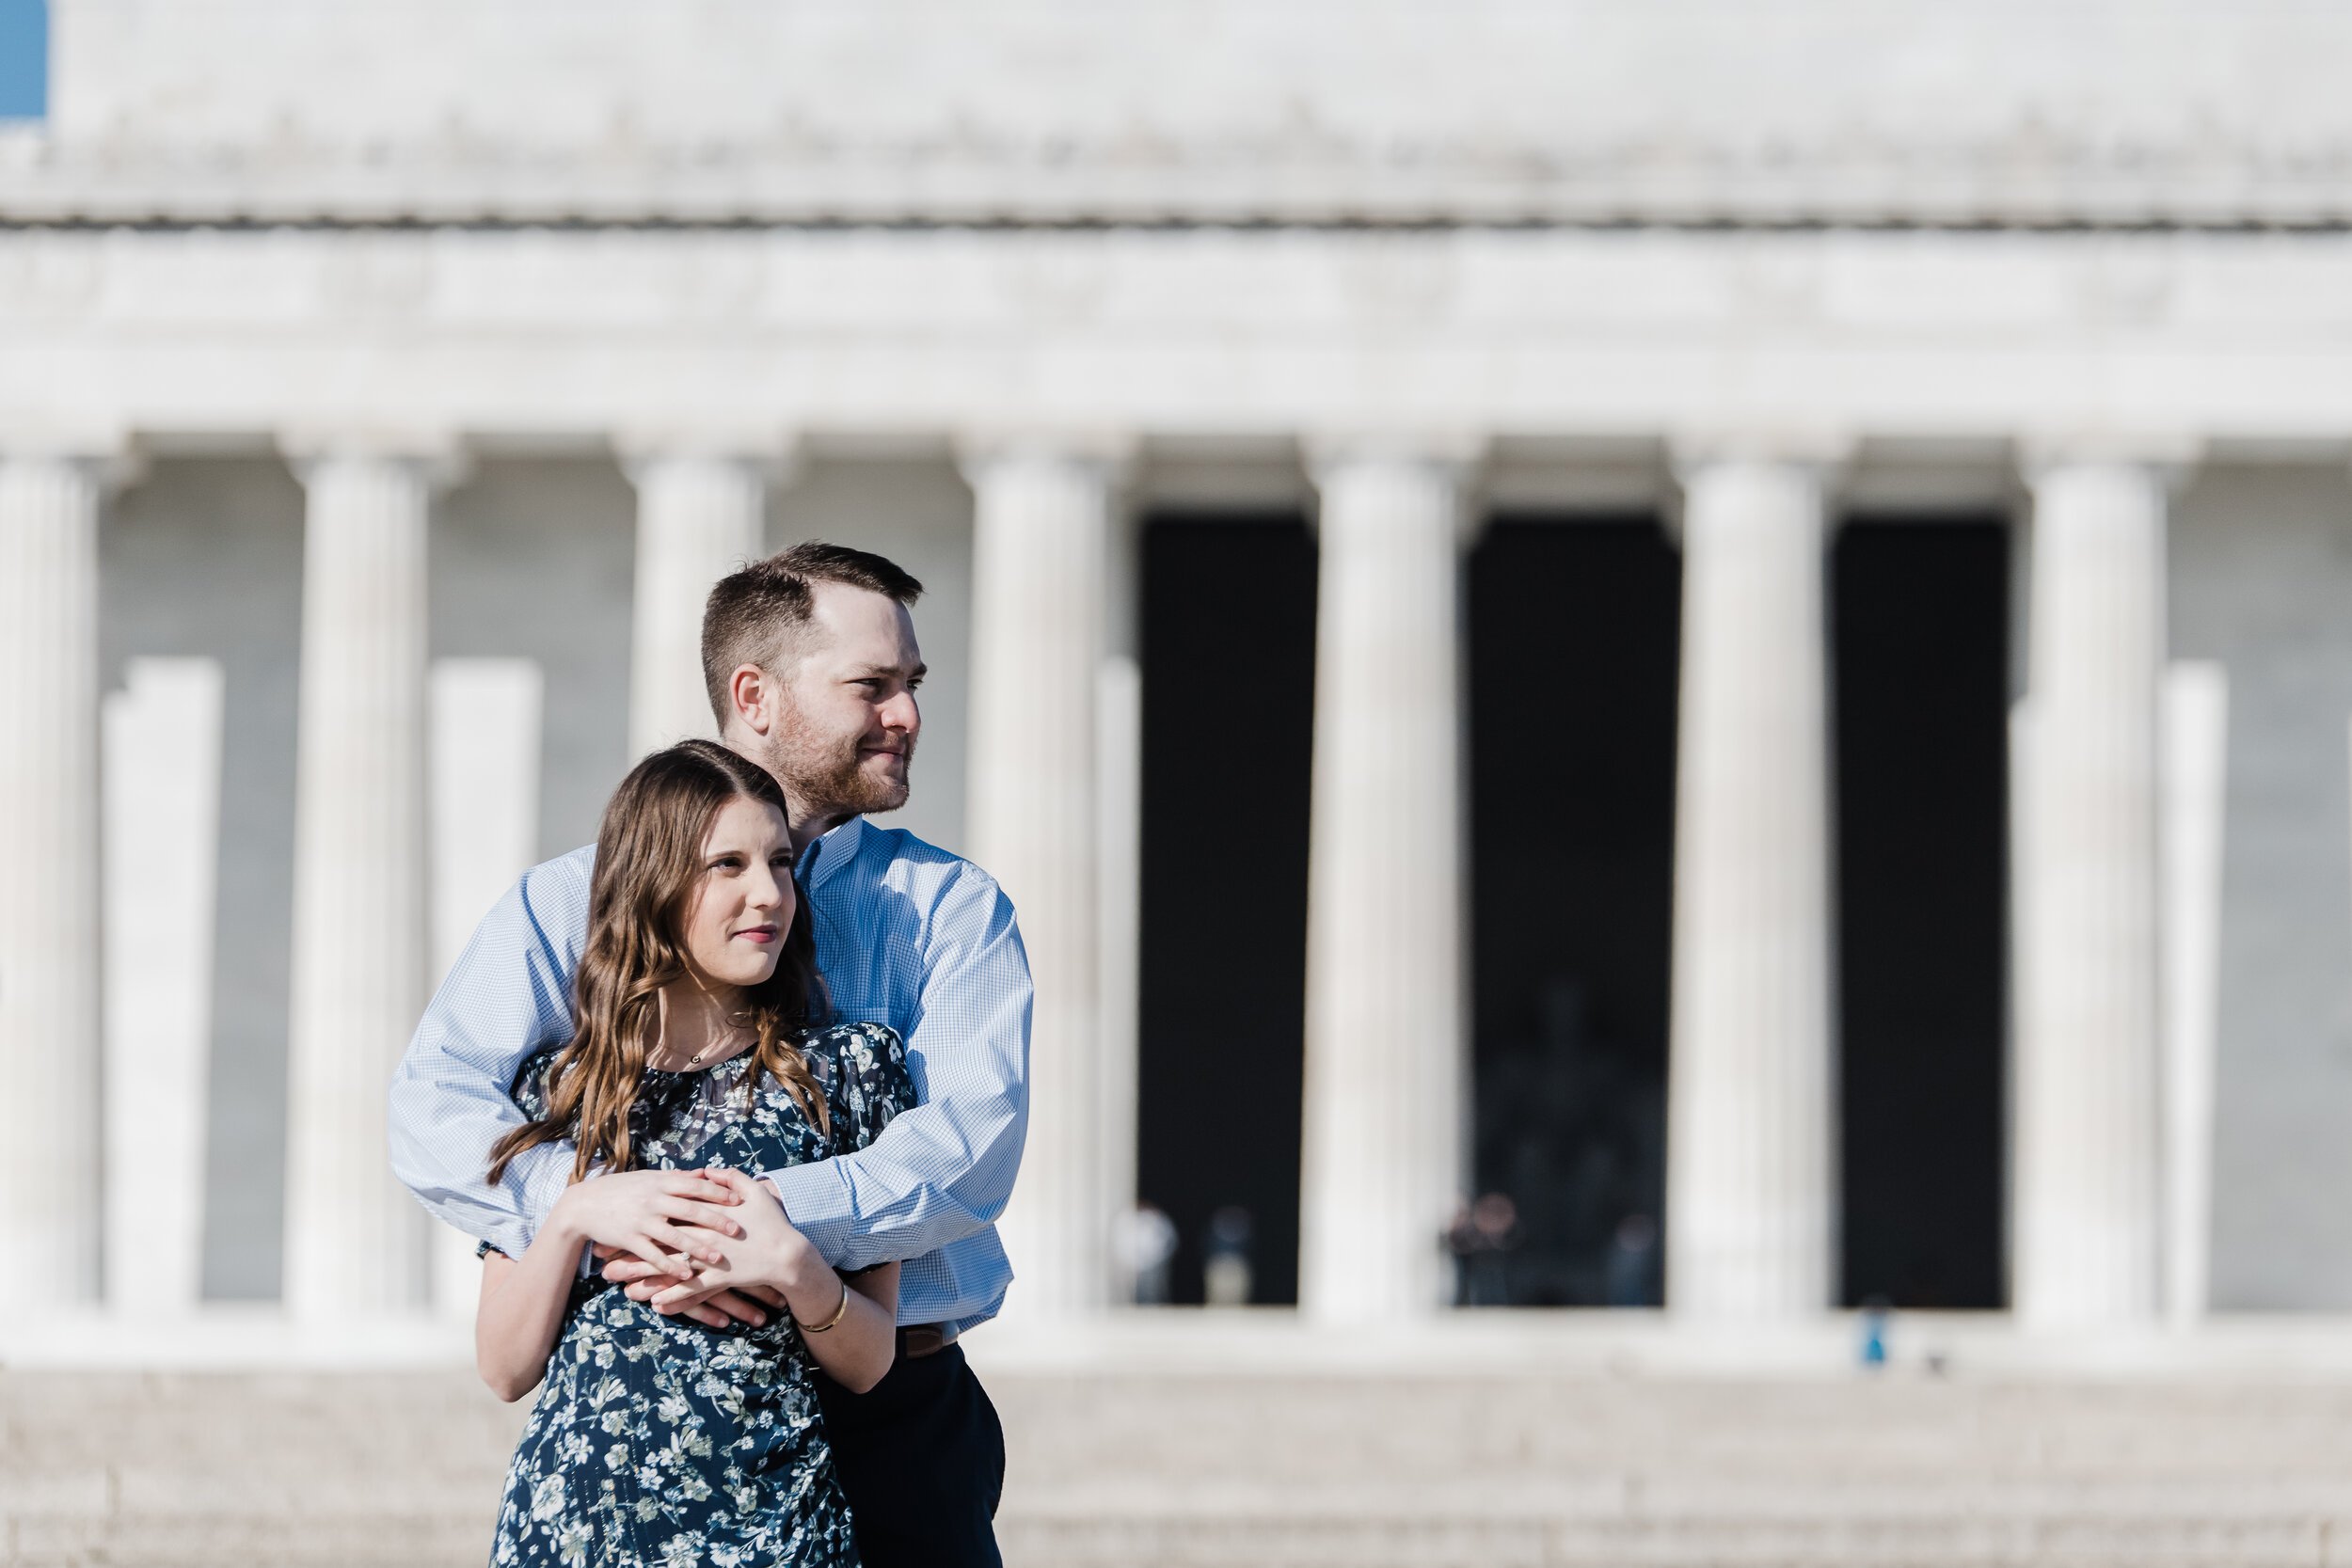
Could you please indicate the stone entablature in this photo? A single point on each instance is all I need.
(1647, 335)
(1195, 111)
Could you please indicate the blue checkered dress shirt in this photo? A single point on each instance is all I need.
(907, 935)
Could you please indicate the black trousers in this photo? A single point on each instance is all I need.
(921, 1457)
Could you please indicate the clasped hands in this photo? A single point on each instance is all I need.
(713, 1245)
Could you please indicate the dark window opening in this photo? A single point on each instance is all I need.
(1227, 637)
(1920, 654)
(1574, 625)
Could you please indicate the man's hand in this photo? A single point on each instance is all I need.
(652, 1214)
(714, 1307)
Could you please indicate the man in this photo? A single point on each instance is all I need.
(812, 666)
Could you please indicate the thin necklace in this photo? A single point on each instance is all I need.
(739, 1025)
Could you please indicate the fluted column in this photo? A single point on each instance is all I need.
(49, 878)
(2086, 1180)
(699, 517)
(1383, 1161)
(1041, 515)
(355, 1241)
(1751, 1192)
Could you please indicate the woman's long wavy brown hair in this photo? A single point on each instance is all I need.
(649, 857)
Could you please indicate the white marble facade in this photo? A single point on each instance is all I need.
(661, 289)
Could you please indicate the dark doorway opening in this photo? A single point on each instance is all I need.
(1574, 647)
(1227, 635)
(1920, 650)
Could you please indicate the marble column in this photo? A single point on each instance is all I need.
(2087, 1178)
(355, 1240)
(1383, 1165)
(486, 719)
(1119, 738)
(699, 517)
(2194, 714)
(1751, 1174)
(162, 836)
(1042, 517)
(49, 915)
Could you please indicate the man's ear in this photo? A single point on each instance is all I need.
(751, 697)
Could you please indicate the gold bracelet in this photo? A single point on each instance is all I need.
(838, 1313)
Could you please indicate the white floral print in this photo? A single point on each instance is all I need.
(655, 1442)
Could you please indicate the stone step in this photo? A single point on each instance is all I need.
(1192, 1470)
(1953, 1542)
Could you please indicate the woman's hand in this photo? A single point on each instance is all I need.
(857, 1314)
(765, 1250)
(669, 1218)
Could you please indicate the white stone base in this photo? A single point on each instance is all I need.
(1276, 1341)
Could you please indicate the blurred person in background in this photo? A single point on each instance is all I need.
(1632, 1274)
(1145, 1245)
(1227, 1275)
(1479, 1241)
(699, 1040)
(812, 668)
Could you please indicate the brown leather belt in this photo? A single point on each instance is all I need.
(917, 1341)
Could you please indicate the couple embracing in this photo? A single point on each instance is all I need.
(731, 1101)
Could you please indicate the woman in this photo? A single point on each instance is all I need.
(696, 1044)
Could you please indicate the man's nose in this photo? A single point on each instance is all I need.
(900, 713)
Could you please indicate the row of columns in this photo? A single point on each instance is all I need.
(1752, 1188)
(1752, 1181)
(354, 1241)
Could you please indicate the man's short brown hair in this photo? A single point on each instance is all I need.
(753, 612)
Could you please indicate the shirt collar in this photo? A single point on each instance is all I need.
(834, 849)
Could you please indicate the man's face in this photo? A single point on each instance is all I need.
(844, 734)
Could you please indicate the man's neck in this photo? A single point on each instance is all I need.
(809, 829)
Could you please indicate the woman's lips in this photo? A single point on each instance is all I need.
(761, 934)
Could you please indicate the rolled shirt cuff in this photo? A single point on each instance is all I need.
(545, 1179)
(816, 1199)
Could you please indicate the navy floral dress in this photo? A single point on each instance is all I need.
(655, 1440)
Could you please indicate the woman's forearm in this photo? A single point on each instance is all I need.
(523, 1305)
(859, 1348)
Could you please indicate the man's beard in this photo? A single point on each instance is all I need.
(829, 780)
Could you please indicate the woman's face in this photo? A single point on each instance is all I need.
(743, 901)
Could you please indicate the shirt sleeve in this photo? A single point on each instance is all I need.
(507, 998)
(941, 1169)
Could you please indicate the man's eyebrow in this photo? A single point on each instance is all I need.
(858, 672)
